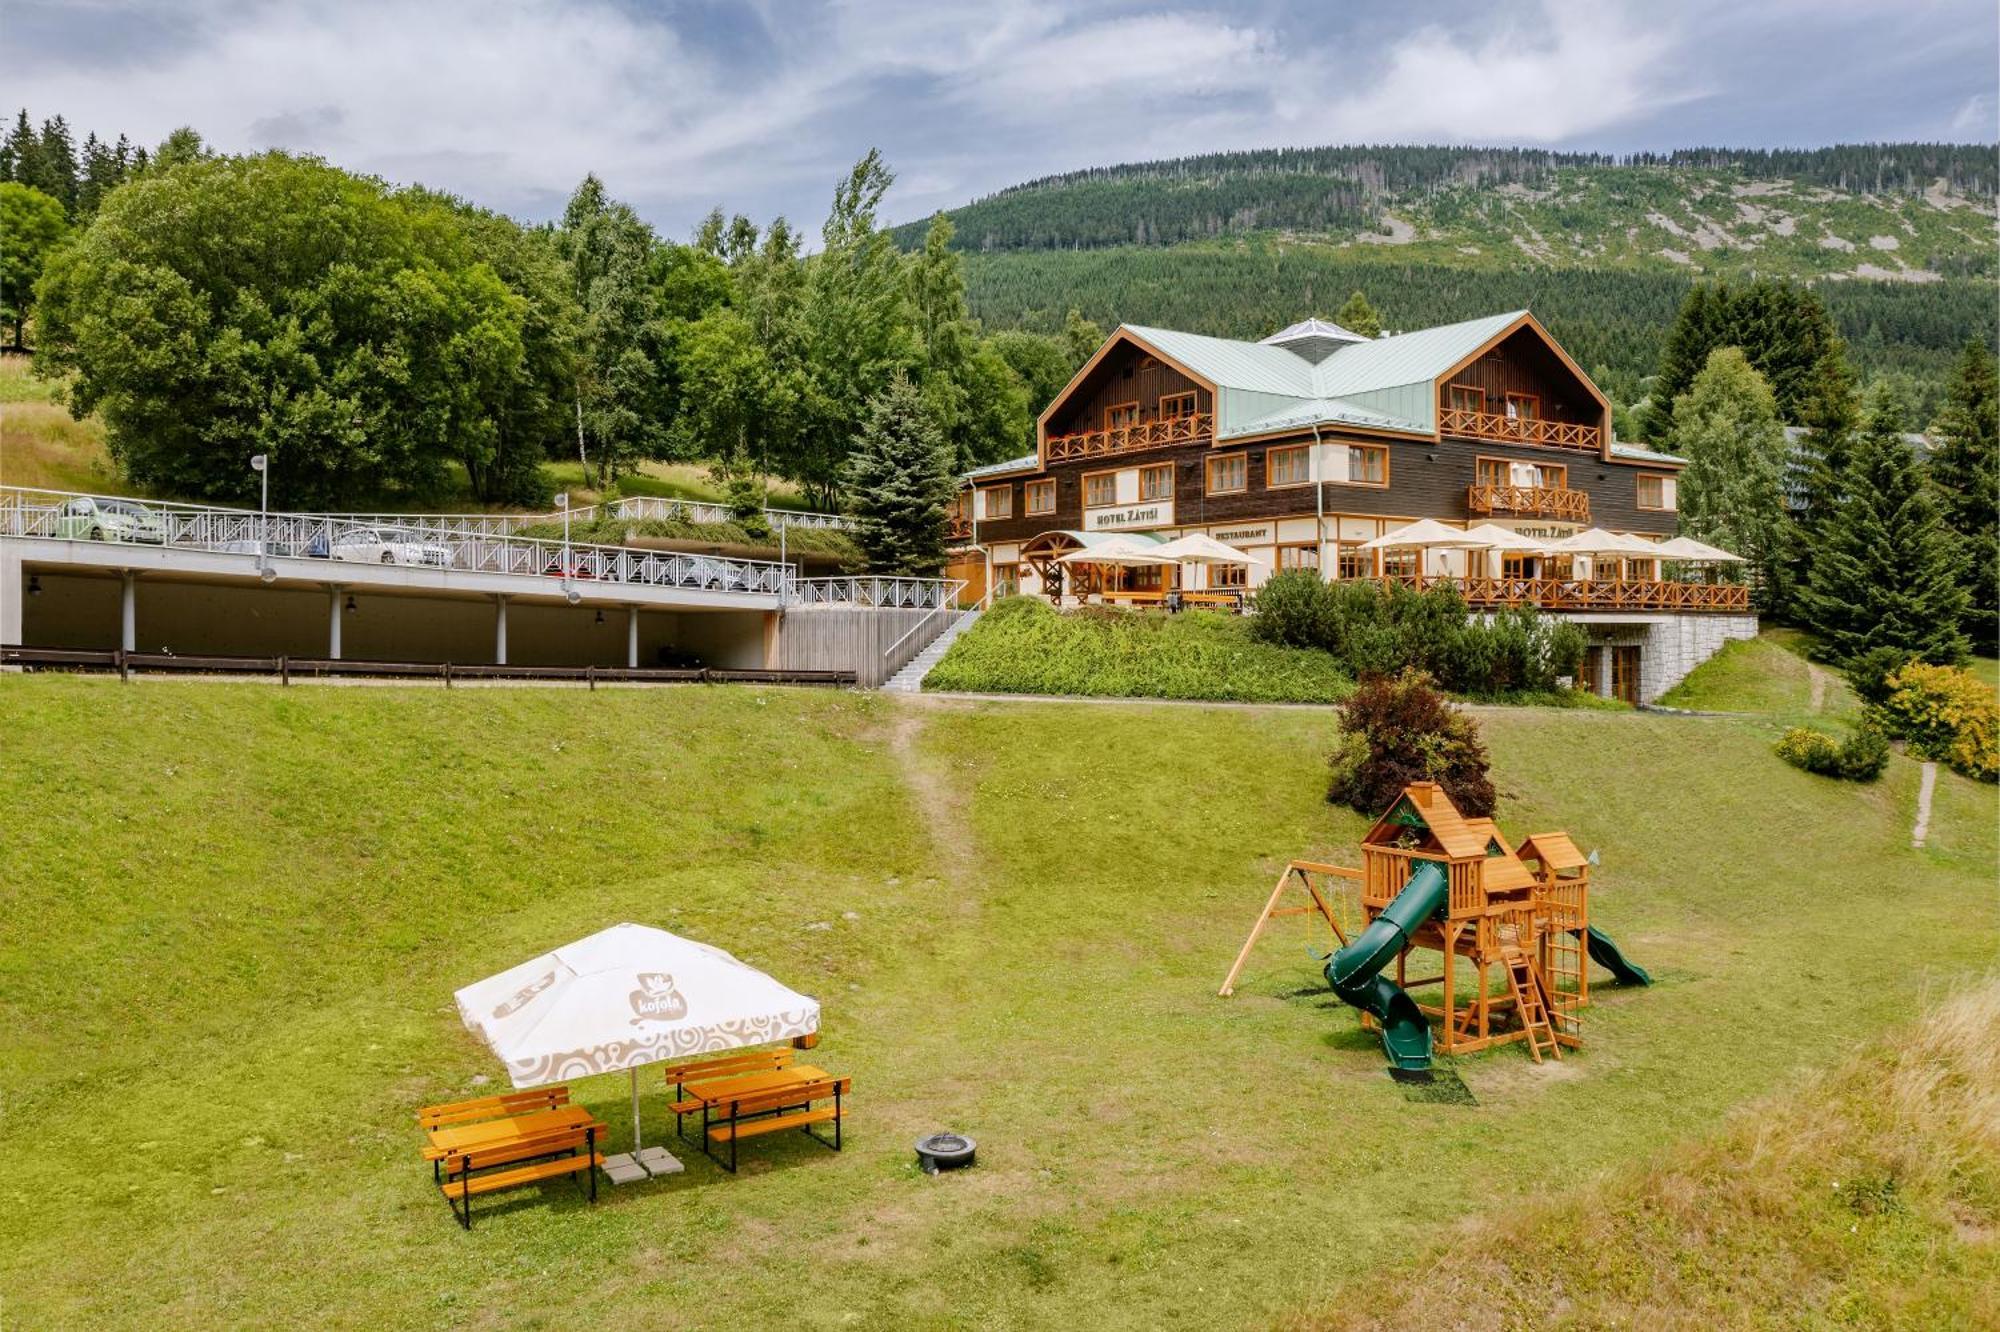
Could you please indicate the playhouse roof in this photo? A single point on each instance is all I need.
(1553, 849)
(1501, 870)
(1428, 802)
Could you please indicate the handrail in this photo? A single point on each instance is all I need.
(1127, 439)
(873, 590)
(643, 507)
(958, 585)
(1589, 593)
(1534, 501)
(1467, 423)
(31, 512)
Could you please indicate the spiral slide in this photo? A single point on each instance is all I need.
(1355, 972)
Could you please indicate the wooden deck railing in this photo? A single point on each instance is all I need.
(1529, 502)
(1469, 424)
(957, 527)
(1196, 429)
(1591, 594)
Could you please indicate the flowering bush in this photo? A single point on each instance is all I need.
(1860, 758)
(1945, 714)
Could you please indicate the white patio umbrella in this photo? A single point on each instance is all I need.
(625, 997)
(1597, 541)
(1427, 532)
(1695, 552)
(1200, 548)
(1495, 537)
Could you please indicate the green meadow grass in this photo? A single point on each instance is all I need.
(236, 914)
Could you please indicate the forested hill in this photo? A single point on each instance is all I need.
(1913, 212)
(1899, 239)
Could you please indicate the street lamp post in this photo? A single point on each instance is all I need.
(562, 502)
(260, 463)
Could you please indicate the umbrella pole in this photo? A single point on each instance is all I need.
(636, 1139)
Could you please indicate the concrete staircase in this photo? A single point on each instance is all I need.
(910, 679)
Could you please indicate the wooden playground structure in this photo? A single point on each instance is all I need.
(1523, 913)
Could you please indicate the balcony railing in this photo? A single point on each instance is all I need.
(1592, 594)
(1196, 429)
(1529, 502)
(958, 527)
(1469, 424)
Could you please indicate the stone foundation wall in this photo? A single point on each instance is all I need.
(1672, 649)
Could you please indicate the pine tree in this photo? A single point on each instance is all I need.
(1884, 573)
(57, 164)
(21, 154)
(1965, 471)
(1731, 494)
(899, 482)
(1813, 469)
(1358, 316)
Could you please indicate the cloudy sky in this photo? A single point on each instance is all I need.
(759, 106)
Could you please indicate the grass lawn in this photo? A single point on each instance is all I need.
(236, 914)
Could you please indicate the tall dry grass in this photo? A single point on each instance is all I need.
(1864, 1196)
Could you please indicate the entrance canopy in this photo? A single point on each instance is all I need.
(623, 997)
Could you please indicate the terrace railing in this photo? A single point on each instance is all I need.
(406, 540)
(1594, 594)
(642, 507)
(1196, 429)
(877, 591)
(1468, 424)
(1529, 502)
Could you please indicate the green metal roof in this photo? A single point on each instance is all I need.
(1386, 383)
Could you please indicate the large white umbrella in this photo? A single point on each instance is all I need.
(1426, 532)
(1495, 537)
(1597, 541)
(1200, 548)
(624, 997)
(1688, 549)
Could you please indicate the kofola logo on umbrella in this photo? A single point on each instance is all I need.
(656, 999)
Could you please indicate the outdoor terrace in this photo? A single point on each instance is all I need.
(1588, 594)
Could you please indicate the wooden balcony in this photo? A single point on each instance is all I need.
(1468, 424)
(958, 527)
(1570, 506)
(1196, 429)
(1586, 594)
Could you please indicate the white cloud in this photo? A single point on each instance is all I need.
(1975, 118)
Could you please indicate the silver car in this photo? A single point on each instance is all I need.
(89, 517)
(389, 545)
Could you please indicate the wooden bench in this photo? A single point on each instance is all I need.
(774, 1111)
(573, 1152)
(727, 1066)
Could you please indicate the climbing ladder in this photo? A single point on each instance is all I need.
(1529, 1002)
(1563, 973)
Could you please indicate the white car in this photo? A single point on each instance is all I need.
(389, 545)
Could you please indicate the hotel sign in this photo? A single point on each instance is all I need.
(1255, 535)
(1127, 517)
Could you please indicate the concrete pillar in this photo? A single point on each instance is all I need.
(128, 613)
(1603, 682)
(13, 595)
(631, 637)
(334, 610)
(500, 630)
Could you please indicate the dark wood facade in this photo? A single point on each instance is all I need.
(1525, 365)
(1132, 377)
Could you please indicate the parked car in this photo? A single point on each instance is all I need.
(94, 519)
(389, 545)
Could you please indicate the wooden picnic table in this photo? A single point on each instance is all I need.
(721, 1091)
(486, 1134)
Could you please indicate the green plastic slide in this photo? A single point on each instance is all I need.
(1605, 954)
(1355, 972)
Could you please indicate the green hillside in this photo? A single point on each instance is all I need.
(1899, 239)
(238, 913)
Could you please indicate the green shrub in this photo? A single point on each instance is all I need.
(1383, 628)
(1868, 673)
(1859, 758)
(1398, 730)
(1946, 714)
(1025, 646)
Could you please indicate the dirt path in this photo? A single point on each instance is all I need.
(1924, 791)
(940, 804)
(1818, 677)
